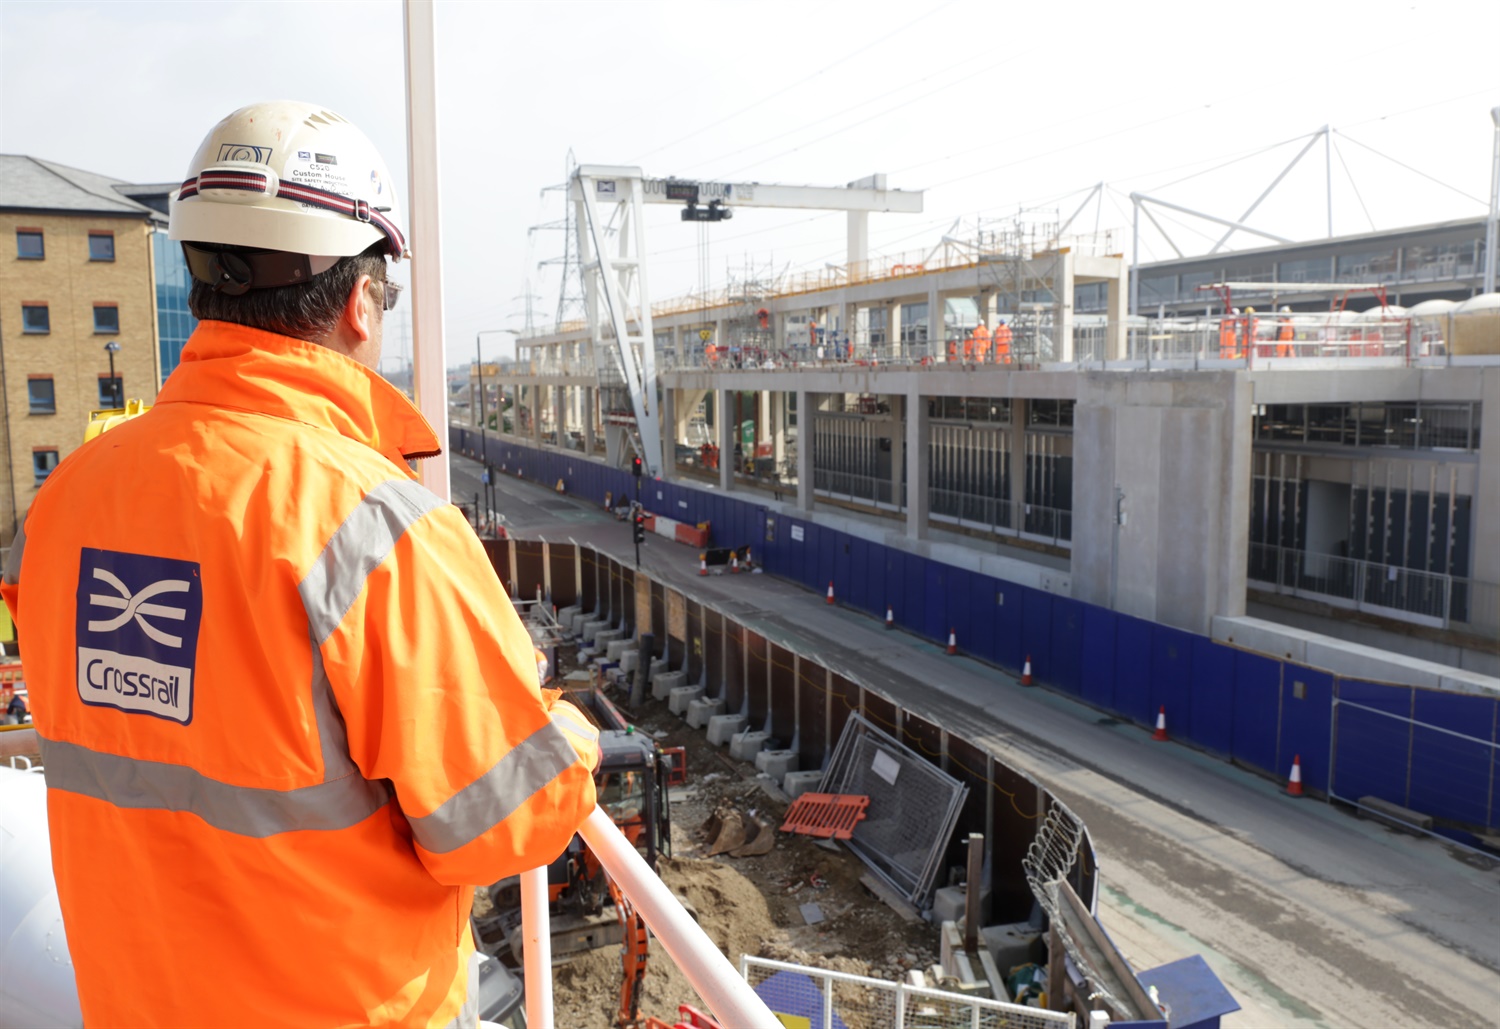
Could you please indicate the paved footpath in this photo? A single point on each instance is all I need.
(1310, 916)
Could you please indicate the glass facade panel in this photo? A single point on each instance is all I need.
(174, 322)
(101, 246)
(106, 319)
(1367, 266)
(1050, 413)
(30, 246)
(914, 323)
(1307, 269)
(1158, 289)
(1401, 426)
(1191, 294)
(34, 318)
(42, 395)
(1439, 261)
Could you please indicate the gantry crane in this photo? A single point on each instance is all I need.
(608, 202)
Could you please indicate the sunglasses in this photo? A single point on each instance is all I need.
(392, 293)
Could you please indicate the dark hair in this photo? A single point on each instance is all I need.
(310, 311)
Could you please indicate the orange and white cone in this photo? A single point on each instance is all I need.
(830, 591)
(702, 564)
(734, 563)
(890, 617)
(952, 642)
(1161, 724)
(1294, 784)
(1026, 672)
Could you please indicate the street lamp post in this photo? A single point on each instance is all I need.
(113, 348)
(484, 452)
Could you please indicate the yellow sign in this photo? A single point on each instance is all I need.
(793, 1021)
(705, 334)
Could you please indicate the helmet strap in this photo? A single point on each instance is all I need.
(236, 272)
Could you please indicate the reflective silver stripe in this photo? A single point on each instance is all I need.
(468, 1015)
(497, 794)
(357, 549)
(333, 735)
(17, 549)
(242, 810)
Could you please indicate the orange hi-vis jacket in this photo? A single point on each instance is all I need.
(289, 717)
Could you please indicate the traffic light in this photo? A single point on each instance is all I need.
(635, 467)
(640, 525)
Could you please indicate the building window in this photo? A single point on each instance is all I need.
(106, 318)
(34, 318)
(42, 463)
(111, 390)
(29, 245)
(101, 246)
(43, 396)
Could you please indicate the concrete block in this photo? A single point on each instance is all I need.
(630, 660)
(663, 685)
(657, 667)
(776, 763)
(722, 727)
(1009, 945)
(592, 628)
(618, 647)
(701, 710)
(1394, 814)
(797, 783)
(581, 619)
(607, 636)
(565, 616)
(743, 746)
(679, 699)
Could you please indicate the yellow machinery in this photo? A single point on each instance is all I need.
(103, 421)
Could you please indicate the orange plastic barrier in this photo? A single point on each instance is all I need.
(825, 815)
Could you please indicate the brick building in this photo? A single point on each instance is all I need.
(86, 275)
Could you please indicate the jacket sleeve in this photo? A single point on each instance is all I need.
(436, 680)
(10, 580)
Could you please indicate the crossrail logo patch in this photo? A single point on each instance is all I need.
(138, 621)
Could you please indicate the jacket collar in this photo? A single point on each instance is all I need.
(228, 365)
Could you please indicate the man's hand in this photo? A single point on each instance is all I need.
(576, 726)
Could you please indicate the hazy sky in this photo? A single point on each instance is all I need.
(986, 104)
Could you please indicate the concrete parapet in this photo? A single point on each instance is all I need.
(663, 684)
(743, 746)
(722, 727)
(794, 784)
(776, 763)
(679, 699)
(701, 710)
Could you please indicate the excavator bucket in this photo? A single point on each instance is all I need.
(731, 833)
(760, 838)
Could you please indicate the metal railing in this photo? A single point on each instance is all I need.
(723, 989)
(1002, 517)
(1408, 594)
(823, 999)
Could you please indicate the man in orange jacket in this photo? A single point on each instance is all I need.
(288, 716)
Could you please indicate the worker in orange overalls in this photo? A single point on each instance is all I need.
(1002, 343)
(1285, 333)
(981, 338)
(288, 715)
(1229, 335)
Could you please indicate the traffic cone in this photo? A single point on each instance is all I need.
(702, 564)
(1294, 784)
(1026, 672)
(952, 642)
(734, 562)
(1161, 725)
(830, 591)
(890, 617)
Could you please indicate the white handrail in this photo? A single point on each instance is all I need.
(727, 995)
(536, 948)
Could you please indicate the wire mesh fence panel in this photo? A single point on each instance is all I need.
(913, 806)
(838, 1000)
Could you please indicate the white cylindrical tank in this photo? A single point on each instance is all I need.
(36, 970)
(1430, 327)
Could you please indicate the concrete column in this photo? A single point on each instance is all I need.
(1485, 517)
(893, 330)
(778, 427)
(986, 304)
(937, 345)
(763, 430)
(845, 327)
(590, 406)
(918, 435)
(1016, 461)
(1117, 306)
(1062, 287)
(667, 417)
(1178, 449)
(537, 392)
(778, 333)
(806, 416)
(724, 415)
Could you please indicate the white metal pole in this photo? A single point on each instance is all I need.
(731, 999)
(430, 357)
(1328, 166)
(1492, 230)
(536, 934)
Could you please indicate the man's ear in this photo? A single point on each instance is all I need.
(359, 310)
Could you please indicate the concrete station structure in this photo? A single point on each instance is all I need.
(1275, 479)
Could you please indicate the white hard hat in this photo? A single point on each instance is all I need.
(287, 177)
(1234, 310)
(1285, 309)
